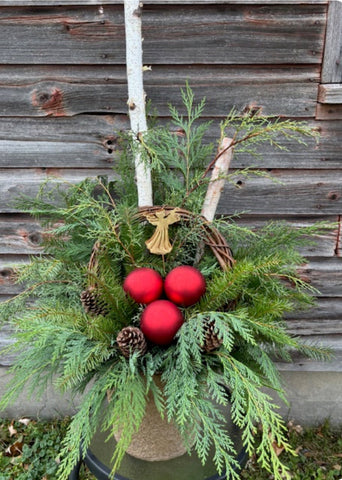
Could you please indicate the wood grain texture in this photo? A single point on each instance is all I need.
(328, 112)
(326, 308)
(6, 339)
(323, 274)
(18, 182)
(332, 62)
(277, 91)
(85, 141)
(330, 93)
(322, 153)
(19, 235)
(304, 364)
(307, 192)
(86, 35)
(7, 274)
(91, 141)
(324, 245)
(316, 326)
(38, 3)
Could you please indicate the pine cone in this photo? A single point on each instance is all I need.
(130, 340)
(211, 340)
(91, 302)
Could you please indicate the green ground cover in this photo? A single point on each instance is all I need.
(29, 451)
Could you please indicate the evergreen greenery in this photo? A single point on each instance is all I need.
(57, 341)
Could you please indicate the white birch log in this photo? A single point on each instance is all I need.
(136, 97)
(216, 184)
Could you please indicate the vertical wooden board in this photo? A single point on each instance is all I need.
(332, 62)
(338, 246)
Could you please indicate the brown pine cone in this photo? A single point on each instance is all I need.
(131, 340)
(91, 302)
(211, 340)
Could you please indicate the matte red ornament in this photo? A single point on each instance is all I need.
(160, 321)
(144, 285)
(184, 285)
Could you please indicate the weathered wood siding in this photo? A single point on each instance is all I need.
(63, 99)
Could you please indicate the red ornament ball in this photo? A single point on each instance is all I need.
(160, 321)
(144, 285)
(184, 285)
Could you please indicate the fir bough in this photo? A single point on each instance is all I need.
(56, 340)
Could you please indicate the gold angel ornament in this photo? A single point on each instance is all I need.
(159, 243)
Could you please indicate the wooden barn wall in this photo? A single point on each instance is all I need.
(63, 99)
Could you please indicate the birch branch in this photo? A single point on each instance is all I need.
(216, 183)
(136, 97)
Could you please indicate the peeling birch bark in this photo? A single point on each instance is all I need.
(136, 97)
(216, 184)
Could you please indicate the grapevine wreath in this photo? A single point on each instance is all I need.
(183, 286)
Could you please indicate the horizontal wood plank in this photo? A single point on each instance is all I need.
(315, 327)
(321, 153)
(307, 192)
(323, 245)
(91, 141)
(325, 332)
(276, 91)
(91, 35)
(330, 93)
(6, 339)
(19, 182)
(328, 112)
(323, 274)
(325, 308)
(160, 75)
(7, 276)
(21, 234)
(304, 364)
(49, 3)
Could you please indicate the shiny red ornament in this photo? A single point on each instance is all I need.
(144, 285)
(160, 321)
(184, 285)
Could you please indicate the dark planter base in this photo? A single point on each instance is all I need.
(186, 467)
(102, 472)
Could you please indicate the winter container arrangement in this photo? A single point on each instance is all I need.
(156, 311)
